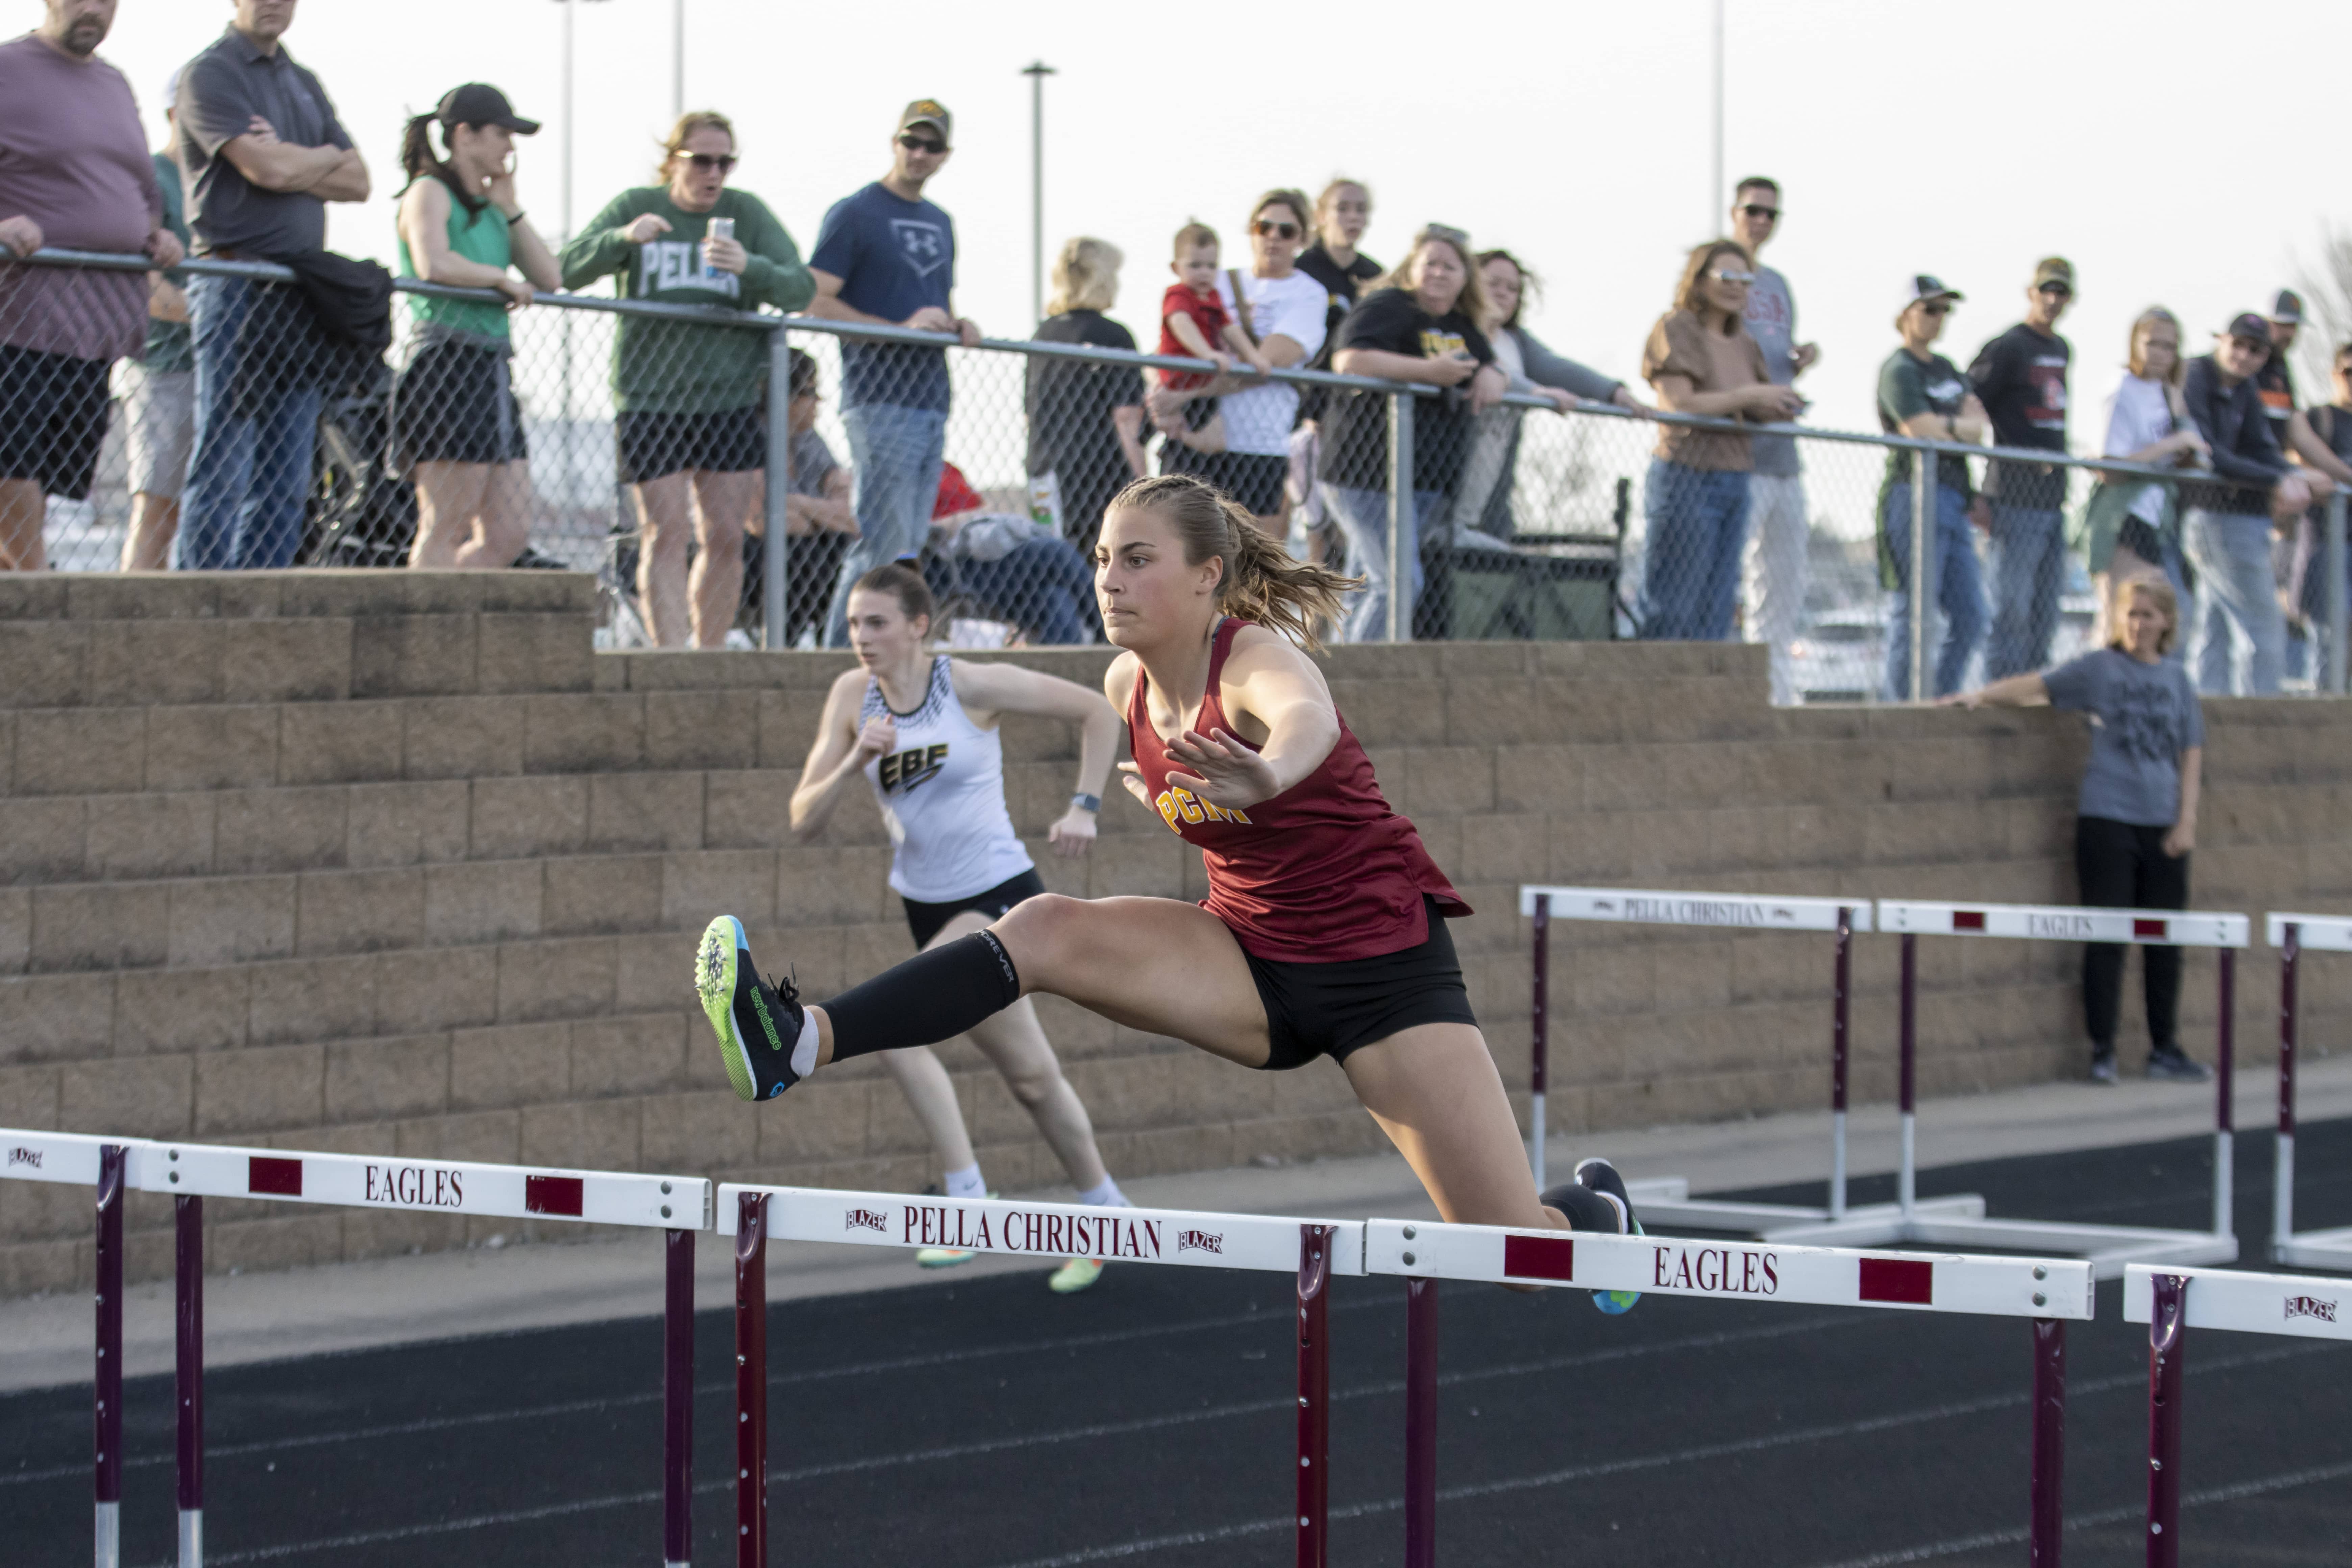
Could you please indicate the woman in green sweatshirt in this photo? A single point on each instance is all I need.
(691, 425)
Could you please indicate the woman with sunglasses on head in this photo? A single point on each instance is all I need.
(1245, 448)
(1701, 359)
(691, 425)
(1922, 395)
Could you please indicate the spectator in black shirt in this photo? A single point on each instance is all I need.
(1086, 421)
(1341, 215)
(2276, 381)
(2322, 437)
(2021, 379)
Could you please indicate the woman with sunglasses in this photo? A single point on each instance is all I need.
(1245, 448)
(691, 423)
(1922, 395)
(1701, 359)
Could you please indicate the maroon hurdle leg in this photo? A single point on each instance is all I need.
(1314, 1392)
(1539, 1040)
(752, 1381)
(2283, 1161)
(677, 1401)
(106, 1408)
(1420, 1424)
(2168, 1343)
(2046, 1505)
(1841, 990)
(2225, 1082)
(1906, 1186)
(188, 1371)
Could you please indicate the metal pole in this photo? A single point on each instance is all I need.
(1420, 1423)
(1907, 1182)
(2332, 558)
(1922, 510)
(1400, 627)
(2225, 1061)
(2167, 1344)
(1539, 1040)
(1839, 1017)
(1314, 1393)
(188, 1371)
(677, 58)
(107, 1402)
(2283, 1161)
(1037, 72)
(2046, 1504)
(776, 574)
(1716, 210)
(678, 1400)
(752, 1381)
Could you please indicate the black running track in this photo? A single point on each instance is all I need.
(1150, 1422)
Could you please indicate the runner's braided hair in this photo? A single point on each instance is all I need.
(1261, 582)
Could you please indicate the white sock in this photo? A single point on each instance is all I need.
(1106, 1197)
(966, 1182)
(804, 1048)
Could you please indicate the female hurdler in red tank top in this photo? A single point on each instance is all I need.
(1321, 873)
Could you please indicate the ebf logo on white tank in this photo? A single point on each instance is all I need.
(942, 791)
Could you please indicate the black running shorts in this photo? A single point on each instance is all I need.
(53, 414)
(927, 921)
(456, 404)
(1330, 1009)
(731, 441)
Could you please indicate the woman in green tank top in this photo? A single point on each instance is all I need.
(455, 418)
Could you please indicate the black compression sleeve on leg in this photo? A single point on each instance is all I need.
(933, 996)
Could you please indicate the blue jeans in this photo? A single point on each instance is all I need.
(2028, 567)
(1044, 586)
(1959, 591)
(1364, 516)
(1690, 574)
(894, 455)
(2237, 636)
(242, 509)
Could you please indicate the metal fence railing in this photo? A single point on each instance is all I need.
(565, 435)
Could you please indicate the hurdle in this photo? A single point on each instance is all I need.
(190, 1173)
(2293, 935)
(2173, 1300)
(2110, 1247)
(1668, 1200)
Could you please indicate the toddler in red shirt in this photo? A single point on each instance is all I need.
(1193, 318)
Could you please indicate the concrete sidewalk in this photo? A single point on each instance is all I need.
(352, 1306)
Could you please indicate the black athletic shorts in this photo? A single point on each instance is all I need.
(1253, 479)
(926, 919)
(53, 412)
(456, 404)
(1330, 1009)
(731, 441)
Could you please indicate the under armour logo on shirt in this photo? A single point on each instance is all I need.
(922, 246)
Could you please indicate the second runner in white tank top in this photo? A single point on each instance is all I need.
(942, 791)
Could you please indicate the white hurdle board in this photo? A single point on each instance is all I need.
(72, 1157)
(1736, 912)
(2309, 1249)
(1733, 1270)
(2302, 1306)
(425, 1186)
(2049, 922)
(1048, 1232)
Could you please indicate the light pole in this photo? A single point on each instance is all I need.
(677, 60)
(1716, 209)
(1037, 72)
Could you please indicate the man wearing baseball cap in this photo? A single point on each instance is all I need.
(2021, 376)
(1922, 395)
(2276, 381)
(886, 256)
(2237, 639)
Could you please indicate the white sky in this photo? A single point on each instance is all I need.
(2179, 152)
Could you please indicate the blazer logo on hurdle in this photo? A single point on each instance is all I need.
(20, 1155)
(2311, 1307)
(864, 1219)
(1200, 1241)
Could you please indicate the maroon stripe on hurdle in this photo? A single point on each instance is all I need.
(1967, 919)
(553, 1195)
(1910, 1281)
(1539, 1258)
(2150, 929)
(282, 1178)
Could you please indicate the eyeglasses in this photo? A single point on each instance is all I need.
(2063, 291)
(1726, 275)
(1277, 229)
(922, 144)
(1450, 235)
(722, 162)
(1770, 214)
(1937, 308)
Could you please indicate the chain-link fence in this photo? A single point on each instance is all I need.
(633, 439)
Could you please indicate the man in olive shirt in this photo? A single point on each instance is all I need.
(264, 154)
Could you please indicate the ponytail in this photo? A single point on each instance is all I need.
(418, 160)
(1261, 582)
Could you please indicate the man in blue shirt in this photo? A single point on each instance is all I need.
(887, 257)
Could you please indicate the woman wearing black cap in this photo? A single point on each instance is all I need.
(456, 415)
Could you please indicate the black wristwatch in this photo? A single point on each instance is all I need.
(1085, 801)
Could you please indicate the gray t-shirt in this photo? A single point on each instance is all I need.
(220, 92)
(1772, 322)
(813, 460)
(2143, 716)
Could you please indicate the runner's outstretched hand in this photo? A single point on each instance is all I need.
(1224, 772)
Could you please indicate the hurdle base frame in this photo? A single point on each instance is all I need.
(2108, 1248)
(2329, 1249)
(1666, 1201)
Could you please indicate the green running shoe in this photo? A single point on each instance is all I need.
(757, 1024)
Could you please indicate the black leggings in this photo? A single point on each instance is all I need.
(2122, 865)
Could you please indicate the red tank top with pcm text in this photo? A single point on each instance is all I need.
(1321, 873)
